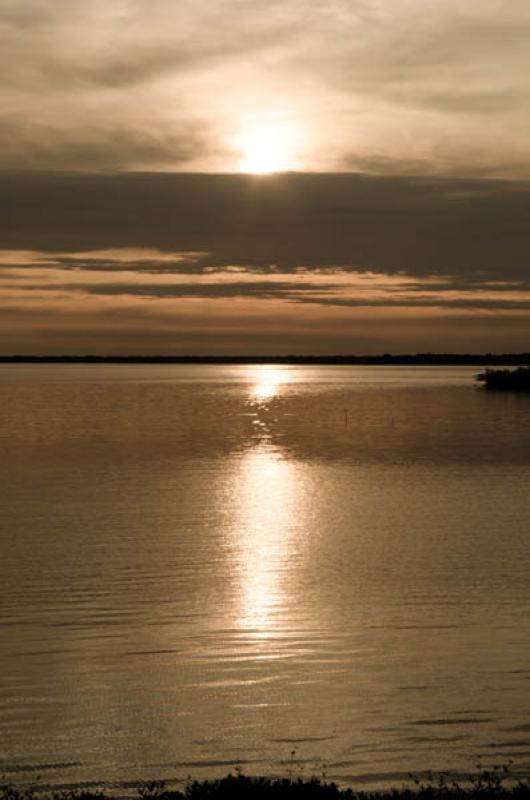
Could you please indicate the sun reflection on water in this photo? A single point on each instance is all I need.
(267, 381)
(267, 493)
(267, 524)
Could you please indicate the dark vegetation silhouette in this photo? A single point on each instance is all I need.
(512, 380)
(496, 783)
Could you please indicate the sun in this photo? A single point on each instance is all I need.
(267, 148)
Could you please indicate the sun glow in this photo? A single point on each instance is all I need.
(267, 148)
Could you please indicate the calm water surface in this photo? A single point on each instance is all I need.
(212, 566)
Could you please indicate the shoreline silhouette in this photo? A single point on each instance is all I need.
(386, 359)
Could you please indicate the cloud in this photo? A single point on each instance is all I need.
(300, 292)
(103, 146)
(300, 262)
(126, 85)
(462, 228)
(156, 276)
(135, 44)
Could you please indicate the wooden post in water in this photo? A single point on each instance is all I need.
(345, 417)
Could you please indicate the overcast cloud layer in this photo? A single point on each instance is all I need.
(386, 86)
(141, 263)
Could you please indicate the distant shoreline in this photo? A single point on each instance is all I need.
(419, 359)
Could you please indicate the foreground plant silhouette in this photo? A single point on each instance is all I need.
(487, 784)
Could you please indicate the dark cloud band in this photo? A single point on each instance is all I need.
(389, 225)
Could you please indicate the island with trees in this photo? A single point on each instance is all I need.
(512, 380)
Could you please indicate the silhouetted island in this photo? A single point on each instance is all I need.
(387, 359)
(512, 380)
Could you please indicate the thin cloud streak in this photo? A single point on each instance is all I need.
(156, 276)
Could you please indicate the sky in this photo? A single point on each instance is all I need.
(350, 176)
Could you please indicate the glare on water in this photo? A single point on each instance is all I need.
(267, 510)
(267, 381)
(264, 524)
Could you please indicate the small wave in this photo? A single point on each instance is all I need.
(449, 721)
(304, 739)
(38, 767)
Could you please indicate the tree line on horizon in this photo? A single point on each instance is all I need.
(426, 359)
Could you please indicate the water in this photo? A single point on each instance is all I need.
(209, 566)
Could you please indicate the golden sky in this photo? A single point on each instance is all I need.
(429, 86)
(401, 220)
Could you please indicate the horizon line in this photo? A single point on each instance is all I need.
(426, 358)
